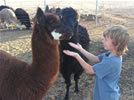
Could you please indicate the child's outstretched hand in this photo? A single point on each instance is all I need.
(76, 46)
(70, 53)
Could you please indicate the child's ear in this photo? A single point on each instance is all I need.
(117, 46)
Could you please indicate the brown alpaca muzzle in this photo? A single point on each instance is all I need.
(56, 35)
(62, 33)
(61, 36)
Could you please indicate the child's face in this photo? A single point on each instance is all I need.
(108, 44)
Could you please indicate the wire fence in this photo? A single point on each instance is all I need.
(106, 9)
(103, 8)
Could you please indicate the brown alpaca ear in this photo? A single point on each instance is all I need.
(40, 17)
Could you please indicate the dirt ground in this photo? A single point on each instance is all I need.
(18, 43)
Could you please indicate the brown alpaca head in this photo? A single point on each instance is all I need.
(69, 17)
(51, 24)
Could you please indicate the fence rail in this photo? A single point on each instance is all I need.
(84, 6)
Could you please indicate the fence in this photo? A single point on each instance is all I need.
(102, 8)
(18, 42)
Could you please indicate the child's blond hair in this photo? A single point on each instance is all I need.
(119, 36)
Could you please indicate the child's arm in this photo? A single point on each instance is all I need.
(86, 66)
(87, 54)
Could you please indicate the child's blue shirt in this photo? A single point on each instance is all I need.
(107, 76)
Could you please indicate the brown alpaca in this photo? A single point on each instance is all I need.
(21, 81)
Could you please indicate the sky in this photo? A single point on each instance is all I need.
(59, 3)
(1, 1)
(84, 6)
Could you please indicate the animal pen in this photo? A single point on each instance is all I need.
(18, 42)
(96, 10)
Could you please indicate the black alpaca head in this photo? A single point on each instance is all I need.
(52, 24)
(70, 18)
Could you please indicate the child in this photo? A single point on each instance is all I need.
(108, 67)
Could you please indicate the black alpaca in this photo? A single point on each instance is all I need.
(23, 17)
(69, 65)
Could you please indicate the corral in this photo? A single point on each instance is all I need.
(18, 43)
